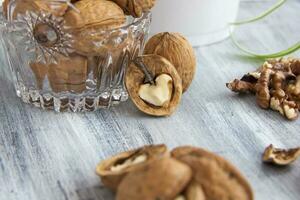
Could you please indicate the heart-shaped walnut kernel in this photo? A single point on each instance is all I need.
(113, 170)
(217, 177)
(160, 93)
(135, 78)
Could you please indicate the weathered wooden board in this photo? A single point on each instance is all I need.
(44, 155)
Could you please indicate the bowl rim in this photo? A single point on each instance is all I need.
(137, 21)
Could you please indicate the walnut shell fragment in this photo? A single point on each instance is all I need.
(113, 170)
(161, 179)
(135, 77)
(175, 48)
(218, 178)
(135, 8)
(280, 156)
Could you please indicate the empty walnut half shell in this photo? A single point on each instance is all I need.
(115, 168)
(280, 156)
(161, 179)
(135, 78)
(217, 177)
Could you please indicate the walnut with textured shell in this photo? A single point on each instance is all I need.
(161, 179)
(135, 77)
(135, 8)
(23, 6)
(113, 170)
(217, 177)
(88, 22)
(175, 48)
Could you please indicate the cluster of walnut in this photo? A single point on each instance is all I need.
(276, 85)
(185, 173)
(80, 19)
(170, 61)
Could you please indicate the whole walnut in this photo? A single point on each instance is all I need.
(135, 8)
(175, 48)
(88, 23)
(20, 7)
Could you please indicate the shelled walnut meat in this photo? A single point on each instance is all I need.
(113, 170)
(160, 98)
(190, 173)
(276, 85)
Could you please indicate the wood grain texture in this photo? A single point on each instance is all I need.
(47, 156)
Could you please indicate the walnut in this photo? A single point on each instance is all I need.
(280, 156)
(21, 7)
(69, 74)
(217, 177)
(175, 48)
(275, 84)
(113, 170)
(161, 179)
(156, 65)
(135, 8)
(87, 23)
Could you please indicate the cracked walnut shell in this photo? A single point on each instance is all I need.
(113, 170)
(217, 177)
(280, 156)
(135, 77)
(161, 179)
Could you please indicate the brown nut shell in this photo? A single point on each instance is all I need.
(156, 65)
(22, 6)
(112, 179)
(219, 179)
(280, 156)
(161, 179)
(69, 74)
(135, 8)
(175, 48)
(87, 22)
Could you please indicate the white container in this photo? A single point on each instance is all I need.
(203, 22)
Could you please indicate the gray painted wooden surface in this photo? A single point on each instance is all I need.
(44, 155)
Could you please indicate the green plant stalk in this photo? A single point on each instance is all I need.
(285, 52)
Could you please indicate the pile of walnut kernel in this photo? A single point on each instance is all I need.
(276, 85)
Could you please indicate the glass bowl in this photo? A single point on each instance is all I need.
(54, 70)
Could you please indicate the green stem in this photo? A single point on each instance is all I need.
(290, 50)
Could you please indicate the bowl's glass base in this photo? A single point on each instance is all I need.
(71, 103)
